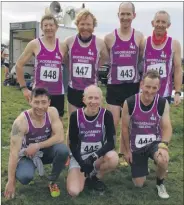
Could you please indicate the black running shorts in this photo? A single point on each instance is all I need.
(57, 101)
(117, 94)
(75, 97)
(139, 166)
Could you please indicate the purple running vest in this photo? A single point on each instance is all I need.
(162, 61)
(124, 59)
(144, 125)
(48, 69)
(91, 133)
(34, 134)
(83, 64)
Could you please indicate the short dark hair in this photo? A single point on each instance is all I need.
(40, 91)
(133, 6)
(153, 74)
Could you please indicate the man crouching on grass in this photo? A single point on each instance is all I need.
(34, 130)
(146, 132)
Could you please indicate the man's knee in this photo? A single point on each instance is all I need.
(112, 158)
(139, 182)
(62, 151)
(161, 163)
(24, 178)
(73, 191)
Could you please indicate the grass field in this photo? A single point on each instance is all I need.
(120, 187)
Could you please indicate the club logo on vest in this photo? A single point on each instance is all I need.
(163, 55)
(98, 124)
(82, 125)
(90, 52)
(132, 46)
(57, 56)
(47, 130)
(153, 117)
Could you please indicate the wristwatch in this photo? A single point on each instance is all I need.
(95, 156)
(178, 92)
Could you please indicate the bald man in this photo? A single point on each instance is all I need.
(91, 134)
(123, 45)
(162, 53)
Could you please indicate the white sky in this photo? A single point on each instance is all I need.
(105, 12)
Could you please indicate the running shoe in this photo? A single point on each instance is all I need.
(54, 190)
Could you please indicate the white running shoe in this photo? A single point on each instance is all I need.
(162, 193)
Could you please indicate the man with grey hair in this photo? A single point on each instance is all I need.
(162, 53)
(123, 79)
(91, 135)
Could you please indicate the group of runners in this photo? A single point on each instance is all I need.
(141, 101)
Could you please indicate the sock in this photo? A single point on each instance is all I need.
(160, 181)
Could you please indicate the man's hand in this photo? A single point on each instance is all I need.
(177, 100)
(87, 169)
(31, 150)
(90, 160)
(9, 190)
(163, 153)
(26, 93)
(128, 157)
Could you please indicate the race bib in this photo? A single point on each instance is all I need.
(82, 70)
(90, 147)
(160, 67)
(49, 74)
(143, 140)
(125, 73)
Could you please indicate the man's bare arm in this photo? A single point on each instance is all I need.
(177, 66)
(104, 54)
(17, 134)
(64, 51)
(165, 123)
(23, 59)
(57, 130)
(125, 127)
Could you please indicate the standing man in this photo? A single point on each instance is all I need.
(86, 54)
(5, 58)
(49, 54)
(146, 130)
(91, 135)
(123, 45)
(163, 54)
(38, 128)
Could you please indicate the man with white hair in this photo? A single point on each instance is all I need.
(162, 53)
(91, 135)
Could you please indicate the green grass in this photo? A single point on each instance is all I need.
(120, 187)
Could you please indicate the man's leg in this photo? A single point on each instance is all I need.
(107, 163)
(25, 170)
(102, 166)
(57, 155)
(161, 161)
(75, 179)
(139, 168)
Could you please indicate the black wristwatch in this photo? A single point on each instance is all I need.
(177, 92)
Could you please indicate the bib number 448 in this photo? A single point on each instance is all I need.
(50, 74)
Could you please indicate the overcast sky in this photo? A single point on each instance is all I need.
(105, 12)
